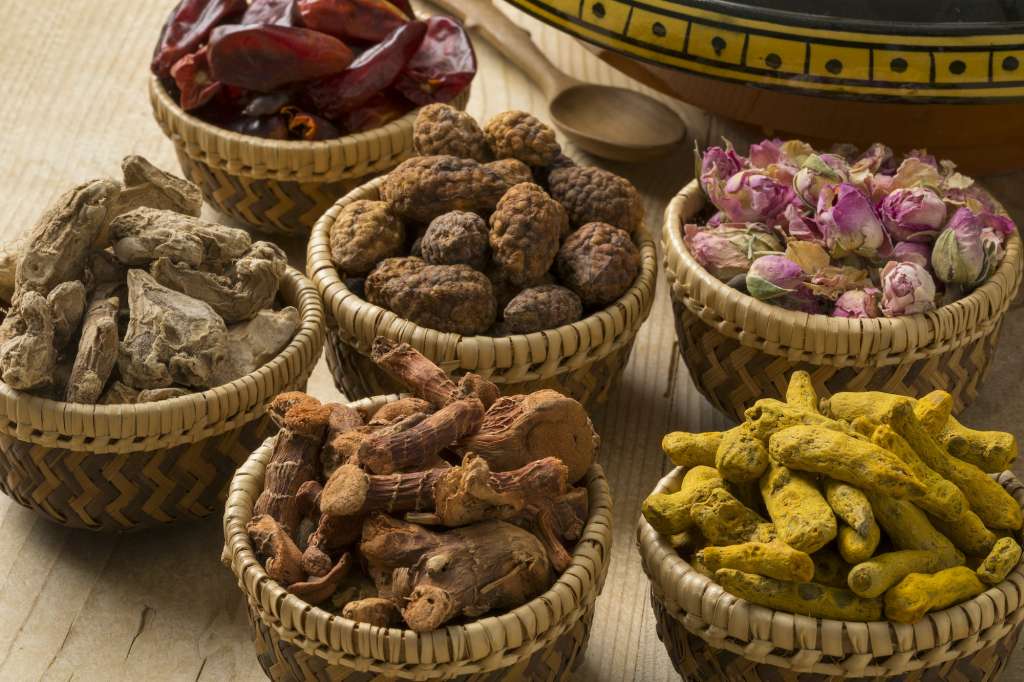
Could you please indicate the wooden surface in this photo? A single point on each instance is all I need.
(159, 606)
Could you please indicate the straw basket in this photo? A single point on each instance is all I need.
(127, 467)
(582, 360)
(543, 639)
(712, 636)
(739, 349)
(279, 186)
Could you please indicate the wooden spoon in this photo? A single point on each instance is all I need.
(606, 121)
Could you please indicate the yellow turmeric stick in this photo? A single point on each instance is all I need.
(874, 576)
(967, 533)
(768, 416)
(772, 559)
(800, 392)
(741, 457)
(865, 426)
(842, 457)
(919, 593)
(669, 513)
(1003, 558)
(942, 498)
(807, 599)
(855, 547)
(859, 534)
(691, 449)
(909, 528)
(990, 451)
(934, 410)
(723, 520)
(875, 405)
(802, 517)
(829, 568)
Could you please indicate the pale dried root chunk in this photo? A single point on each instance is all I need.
(256, 342)
(968, 533)
(1005, 555)
(990, 451)
(10, 254)
(443, 129)
(171, 339)
(146, 185)
(28, 359)
(772, 559)
(800, 513)
(800, 392)
(942, 498)
(692, 449)
(872, 577)
(808, 599)
(844, 458)
(143, 235)
(67, 305)
(919, 593)
(373, 610)
(519, 135)
(364, 233)
(741, 457)
(97, 352)
(909, 528)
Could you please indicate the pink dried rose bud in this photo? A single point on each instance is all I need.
(959, 256)
(728, 250)
(907, 289)
(772, 276)
(752, 196)
(764, 153)
(914, 252)
(858, 303)
(717, 165)
(819, 171)
(913, 214)
(849, 223)
(801, 226)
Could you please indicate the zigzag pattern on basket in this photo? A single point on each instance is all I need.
(732, 375)
(118, 492)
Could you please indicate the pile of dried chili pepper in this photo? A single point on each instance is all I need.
(309, 69)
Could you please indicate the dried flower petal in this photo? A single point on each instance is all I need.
(850, 224)
(858, 303)
(913, 213)
(907, 289)
(772, 276)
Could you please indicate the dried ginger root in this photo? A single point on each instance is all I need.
(808, 599)
(859, 536)
(740, 456)
(802, 517)
(771, 559)
(1003, 558)
(919, 593)
(871, 578)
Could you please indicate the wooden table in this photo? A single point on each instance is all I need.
(159, 605)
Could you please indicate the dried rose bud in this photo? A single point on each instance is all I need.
(819, 171)
(764, 153)
(850, 224)
(728, 250)
(772, 276)
(907, 289)
(801, 226)
(914, 252)
(959, 255)
(858, 303)
(913, 214)
(716, 167)
(752, 196)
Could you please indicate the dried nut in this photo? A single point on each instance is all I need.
(525, 230)
(543, 307)
(365, 233)
(424, 187)
(599, 262)
(513, 171)
(443, 129)
(593, 194)
(519, 135)
(456, 238)
(387, 270)
(448, 298)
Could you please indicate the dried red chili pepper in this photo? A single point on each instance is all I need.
(270, 127)
(405, 6)
(306, 126)
(367, 21)
(270, 103)
(443, 65)
(188, 27)
(277, 12)
(263, 58)
(370, 73)
(383, 108)
(191, 74)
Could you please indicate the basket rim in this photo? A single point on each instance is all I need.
(681, 585)
(905, 334)
(479, 645)
(592, 337)
(211, 411)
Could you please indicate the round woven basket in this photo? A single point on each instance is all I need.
(128, 467)
(712, 636)
(739, 349)
(279, 186)
(543, 639)
(582, 360)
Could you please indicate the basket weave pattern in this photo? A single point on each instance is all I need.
(739, 349)
(540, 640)
(127, 467)
(279, 186)
(713, 636)
(582, 360)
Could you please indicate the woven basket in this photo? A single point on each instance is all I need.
(739, 349)
(712, 636)
(582, 360)
(543, 639)
(279, 186)
(128, 467)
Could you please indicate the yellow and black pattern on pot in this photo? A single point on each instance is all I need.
(777, 54)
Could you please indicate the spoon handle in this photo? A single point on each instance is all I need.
(511, 40)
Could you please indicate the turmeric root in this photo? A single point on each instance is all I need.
(723, 520)
(768, 416)
(800, 393)
(968, 534)
(942, 499)
(875, 405)
(669, 513)
(829, 568)
(692, 449)
(990, 451)
(808, 599)
(850, 505)
(772, 559)
(876, 575)
(919, 593)
(934, 410)
(740, 456)
(844, 458)
(802, 517)
(909, 528)
(1005, 555)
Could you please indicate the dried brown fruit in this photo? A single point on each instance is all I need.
(519, 135)
(97, 352)
(599, 262)
(387, 270)
(456, 238)
(592, 194)
(146, 234)
(525, 230)
(424, 187)
(172, 338)
(448, 298)
(365, 233)
(443, 129)
(513, 171)
(542, 307)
